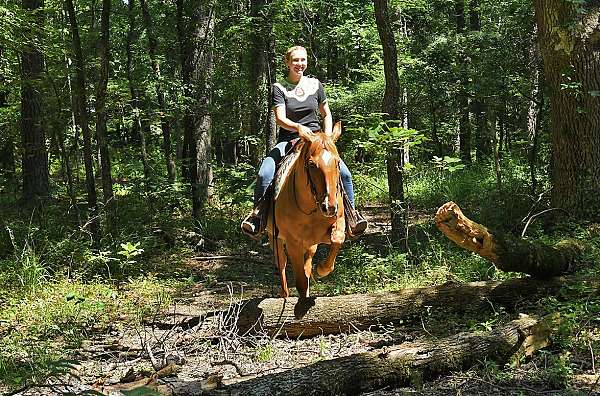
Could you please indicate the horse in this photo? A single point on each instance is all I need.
(308, 210)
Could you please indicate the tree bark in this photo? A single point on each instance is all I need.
(391, 100)
(163, 114)
(81, 102)
(507, 252)
(403, 364)
(33, 134)
(462, 99)
(197, 78)
(569, 36)
(534, 113)
(101, 120)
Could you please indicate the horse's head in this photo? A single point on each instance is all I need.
(322, 166)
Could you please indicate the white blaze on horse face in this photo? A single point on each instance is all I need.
(327, 157)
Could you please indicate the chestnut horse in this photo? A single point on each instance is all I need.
(309, 210)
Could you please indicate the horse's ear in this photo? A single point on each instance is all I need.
(337, 131)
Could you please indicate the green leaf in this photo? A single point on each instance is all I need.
(595, 93)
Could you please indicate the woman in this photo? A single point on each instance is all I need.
(295, 103)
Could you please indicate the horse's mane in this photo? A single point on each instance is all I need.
(322, 141)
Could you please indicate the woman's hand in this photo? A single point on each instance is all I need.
(302, 130)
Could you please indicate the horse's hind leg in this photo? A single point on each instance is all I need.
(280, 262)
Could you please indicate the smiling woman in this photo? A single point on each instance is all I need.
(298, 100)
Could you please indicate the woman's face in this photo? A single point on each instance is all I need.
(297, 63)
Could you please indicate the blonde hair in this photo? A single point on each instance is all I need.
(288, 53)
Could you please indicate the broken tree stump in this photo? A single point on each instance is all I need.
(507, 252)
(400, 364)
(294, 318)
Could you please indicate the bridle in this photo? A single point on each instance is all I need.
(313, 188)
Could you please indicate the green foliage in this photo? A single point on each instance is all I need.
(265, 352)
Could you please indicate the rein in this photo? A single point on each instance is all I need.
(313, 190)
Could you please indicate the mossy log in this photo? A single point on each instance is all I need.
(508, 253)
(294, 318)
(408, 363)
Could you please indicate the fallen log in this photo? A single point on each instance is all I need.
(294, 318)
(508, 253)
(398, 365)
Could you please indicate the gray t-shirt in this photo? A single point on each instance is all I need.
(301, 103)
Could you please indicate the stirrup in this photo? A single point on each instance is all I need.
(252, 226)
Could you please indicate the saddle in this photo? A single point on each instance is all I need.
(266, 203)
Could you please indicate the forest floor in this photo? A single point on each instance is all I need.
(173, 351)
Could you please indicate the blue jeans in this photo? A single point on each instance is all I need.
(266, 172)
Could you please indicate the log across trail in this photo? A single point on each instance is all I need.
(399, 364)
(294, 318)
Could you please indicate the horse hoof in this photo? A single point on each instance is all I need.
(322, 273)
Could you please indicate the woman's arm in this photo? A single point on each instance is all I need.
(288, 124)
(327, 118)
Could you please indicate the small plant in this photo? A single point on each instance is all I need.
(129, 251)
(266, 352)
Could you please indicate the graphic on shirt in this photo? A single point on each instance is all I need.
(306, 87)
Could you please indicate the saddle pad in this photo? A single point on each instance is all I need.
(285, 166)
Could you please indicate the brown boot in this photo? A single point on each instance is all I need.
(252, 225)
(360, 226)
(355, 222)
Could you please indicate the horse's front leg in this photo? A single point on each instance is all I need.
(280, 261)
(302, 272)
(338, 236)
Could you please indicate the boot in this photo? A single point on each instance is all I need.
(252, 225)
(256, 222)
(355, 222)
(360, 226)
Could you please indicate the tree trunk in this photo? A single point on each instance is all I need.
(165, 122)
(391, 100)
(105, 167)
(63, 155)
(7, 147)
(259, 37)
(182, 39)
(401, 365)
(315, 316)
(462, 99)
(138, 133)
(270, 133)
(483, 138)
(491, 126)
(507, 252)
(33, 136)
(197, 78)
(83, 122)
(534, 113)
(569, 36)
